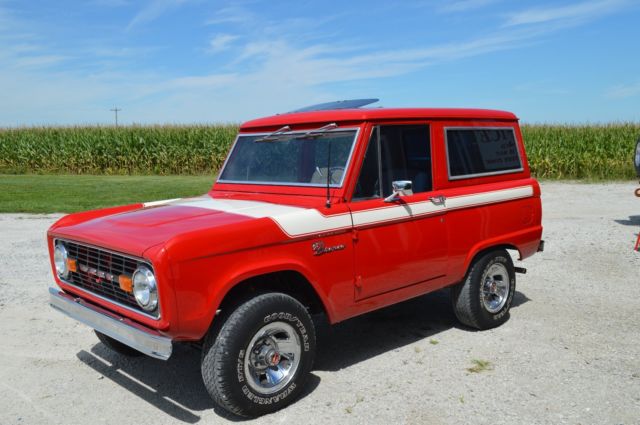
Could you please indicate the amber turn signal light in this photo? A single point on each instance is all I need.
(125, 283)
(72, 265)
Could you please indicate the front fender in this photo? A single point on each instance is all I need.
(203, 283)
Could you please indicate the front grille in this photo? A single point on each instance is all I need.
(98, 272)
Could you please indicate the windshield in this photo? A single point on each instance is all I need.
(300, 159)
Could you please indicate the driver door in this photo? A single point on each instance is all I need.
(402, 241)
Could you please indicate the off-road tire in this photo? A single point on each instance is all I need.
(466, 296)
(117, 346)
(224, 351)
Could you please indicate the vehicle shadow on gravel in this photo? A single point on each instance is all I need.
(361, 338)
(176, 387)
(634, 220)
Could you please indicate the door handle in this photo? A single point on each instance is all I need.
(438, 200)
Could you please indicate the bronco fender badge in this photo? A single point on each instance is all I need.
(319, 248)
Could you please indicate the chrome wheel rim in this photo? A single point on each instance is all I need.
(495, 288)
(272, 358)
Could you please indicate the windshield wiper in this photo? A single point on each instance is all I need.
(319, 131)
(278, 134)
(275, 135)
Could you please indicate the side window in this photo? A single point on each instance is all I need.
(473, 152)
(368, 185)
(395, 152)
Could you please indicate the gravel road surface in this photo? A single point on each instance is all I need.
(570, 352)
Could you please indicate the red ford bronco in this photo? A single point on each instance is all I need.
(334, 209)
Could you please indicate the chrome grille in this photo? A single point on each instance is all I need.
(98, 272)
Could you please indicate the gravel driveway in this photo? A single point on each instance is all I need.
(569, 354)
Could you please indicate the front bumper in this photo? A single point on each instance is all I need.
(143, 339)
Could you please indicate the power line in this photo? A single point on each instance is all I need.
(116, 110)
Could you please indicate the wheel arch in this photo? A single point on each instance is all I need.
(288, 280)
(479, 251)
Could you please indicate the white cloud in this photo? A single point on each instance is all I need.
(37, 61)
(221, 42)
(272, 68)
(21, 49)
(267, 77)
(153, 11)
(231, 15)
(624, 91)
(25, 47)
(207, 81)
(577, 12)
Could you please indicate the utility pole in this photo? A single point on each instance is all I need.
(116, 110)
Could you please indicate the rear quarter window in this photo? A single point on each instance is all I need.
(481, 151)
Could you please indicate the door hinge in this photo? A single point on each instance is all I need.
(354, 235)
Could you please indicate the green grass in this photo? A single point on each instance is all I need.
(65, 193)
(480, 366)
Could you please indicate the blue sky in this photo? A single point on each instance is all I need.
(190, 61)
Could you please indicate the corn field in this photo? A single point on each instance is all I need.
(592, 152)
(161, 150)
(596, 152)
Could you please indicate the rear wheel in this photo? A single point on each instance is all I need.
(117, 346)
(484, 298)
(261, 357)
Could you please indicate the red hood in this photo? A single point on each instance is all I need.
(206, 225)
(136, 231)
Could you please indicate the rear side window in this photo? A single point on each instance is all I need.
(481, 151)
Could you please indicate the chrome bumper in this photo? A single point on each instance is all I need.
(143, 339)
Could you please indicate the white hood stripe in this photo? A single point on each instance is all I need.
(298, 221)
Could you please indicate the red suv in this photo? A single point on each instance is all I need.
(334, 211)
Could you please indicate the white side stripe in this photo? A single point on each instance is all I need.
(310, 221)
(488, 197)
(158, 203)
(395, 212)
(297, 221)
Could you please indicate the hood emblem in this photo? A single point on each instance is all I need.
(319, 248)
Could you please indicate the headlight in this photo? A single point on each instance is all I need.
(60, 259)
(145, 289)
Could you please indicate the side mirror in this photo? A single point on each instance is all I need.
(400, 188)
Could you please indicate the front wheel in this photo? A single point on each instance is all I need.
(484, 298)
(260, 359)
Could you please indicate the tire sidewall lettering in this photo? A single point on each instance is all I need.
(271, 399)
(240, 366)
(295, 321)
(284, 393)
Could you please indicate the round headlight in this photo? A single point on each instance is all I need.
(60, 259)
(145, 289)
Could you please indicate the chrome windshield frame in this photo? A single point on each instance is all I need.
(302, 132)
